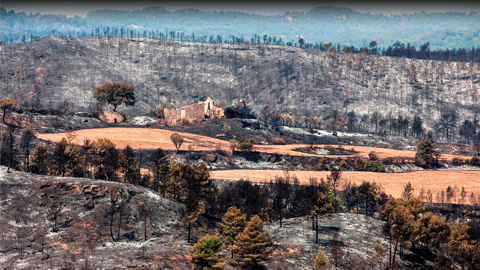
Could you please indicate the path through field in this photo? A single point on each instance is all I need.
(393, 183)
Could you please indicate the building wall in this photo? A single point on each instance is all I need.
(172, 116)
(193, 113)
(217, 113)
(209, 105)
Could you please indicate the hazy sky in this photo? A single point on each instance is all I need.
(81, 8)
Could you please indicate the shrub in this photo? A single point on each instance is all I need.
(186, 122)
(320, 262)
(373, 167)
(159, 112)
(227, 129)
(205, 253)
(233, 144)
(457, 161)
(388, 161)
(364, 165)
(372, 156)
(246, 144)
(475, 161)
(278, 140)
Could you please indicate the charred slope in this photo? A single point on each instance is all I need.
(54, 222)
(300, 81)
(65, 223)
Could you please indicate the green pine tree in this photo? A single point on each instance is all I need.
(205, 253)
(233, 223)
(251, 245)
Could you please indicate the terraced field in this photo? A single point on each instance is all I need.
(151, 138)
(393, 183)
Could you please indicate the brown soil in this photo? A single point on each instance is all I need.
(393, 183)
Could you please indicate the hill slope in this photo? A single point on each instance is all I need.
(299, 81)
(30, 204)
(84, 238)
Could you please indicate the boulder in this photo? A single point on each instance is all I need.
(90, 204)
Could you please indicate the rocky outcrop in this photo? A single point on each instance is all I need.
(111, 117)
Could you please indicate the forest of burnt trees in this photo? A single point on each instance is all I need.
(357, 92)
(418, 221)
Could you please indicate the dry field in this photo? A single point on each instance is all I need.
(149, 138)
(139, 138)
(392, 183)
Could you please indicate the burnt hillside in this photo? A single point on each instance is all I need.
(69, 223)
(49, 222)
(48, 71)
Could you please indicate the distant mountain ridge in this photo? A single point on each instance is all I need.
(344, 26)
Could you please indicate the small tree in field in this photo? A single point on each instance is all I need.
(205, 253)
(7, 105)
(115, 94)
(177, 140)
(407, 193)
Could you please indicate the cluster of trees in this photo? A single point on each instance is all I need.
(15, 148)
(349, 121)
(399, 49)
(409, 226)
(377, 123)
(248, 240)
(327, 88)
(284, 197)
(97, 159)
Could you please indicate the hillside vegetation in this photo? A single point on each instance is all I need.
(343, 89)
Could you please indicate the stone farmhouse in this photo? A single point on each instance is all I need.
(193, 113)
